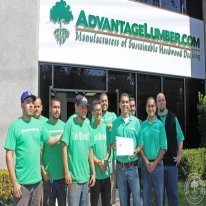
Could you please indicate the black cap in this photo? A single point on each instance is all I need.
(81, 100)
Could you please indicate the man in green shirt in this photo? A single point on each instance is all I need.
(108, 119)
(173, 155)
(52, 167)
(127, 127)
(24, 137)
(101, 149)
(38, 107)
(78, 157)
(154, 142)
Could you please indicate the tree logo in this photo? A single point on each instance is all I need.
(61, 14)
(194, 189)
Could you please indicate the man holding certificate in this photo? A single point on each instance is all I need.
(125, 139)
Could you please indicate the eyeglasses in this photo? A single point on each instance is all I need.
(97, 111)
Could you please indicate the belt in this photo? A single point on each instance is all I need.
(127, 164)
(151, 160)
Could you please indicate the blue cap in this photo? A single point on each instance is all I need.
(27, 94)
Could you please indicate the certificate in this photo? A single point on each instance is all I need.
(124, 146)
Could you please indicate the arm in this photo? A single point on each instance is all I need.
(138, 149)
(10, 166)
(67, 175)
(91, 161)
(54, 139)
(45, 174)
(160, 156)
(179, 154)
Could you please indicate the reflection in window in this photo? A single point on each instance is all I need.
(147, 85)
(174, 93)
(123, 81)
(193, 86)
(173, 5)
(45, 81)
(66, 77)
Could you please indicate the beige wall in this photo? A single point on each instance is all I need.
(18, 59)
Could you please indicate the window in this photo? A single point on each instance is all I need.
(45, 81)
(66, 77)
(193, 86)
(174, 93)
(147, 85)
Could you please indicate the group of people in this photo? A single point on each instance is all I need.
(80, 157)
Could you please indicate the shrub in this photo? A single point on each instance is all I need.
(193, 161)
(5, 188)
(202, 118)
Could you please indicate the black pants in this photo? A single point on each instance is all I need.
(102, 187)
(55, 190)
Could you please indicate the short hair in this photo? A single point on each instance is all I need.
(124, 95)
(150, 97)
(132, 99)
(103, 94)
(55, 99)
(95, 102)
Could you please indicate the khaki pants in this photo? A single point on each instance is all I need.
(32, 195)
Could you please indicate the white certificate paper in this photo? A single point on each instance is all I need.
(124, 146)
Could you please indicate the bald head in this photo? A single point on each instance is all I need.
(161, 102)
(37, 108)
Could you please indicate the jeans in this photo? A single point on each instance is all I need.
(78, 194)
(31, 195)
(155, 181)
(170, 185)
(103, 188)
(128, 175)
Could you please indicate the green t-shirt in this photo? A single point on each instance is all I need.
(52, 154)
(153, 138)
(101, 135)
(180, 136)
(131, 129)
(42, 119)
(79, 141)
(24, 139)
(109, 118)
(72, 117)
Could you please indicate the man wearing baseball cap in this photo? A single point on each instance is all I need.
(23, 139)
(78, 155)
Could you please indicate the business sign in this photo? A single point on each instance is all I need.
(121, 34)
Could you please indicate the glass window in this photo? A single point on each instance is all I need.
(118, 83)
(148, 85)
(173, 5)
(174, 93)
(153, 2)
(66, 77)
(193, 86)
(45, 81)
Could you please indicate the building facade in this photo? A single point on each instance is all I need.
(90, 47)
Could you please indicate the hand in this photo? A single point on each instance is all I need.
(102, 166)
(68, 178)
(92, 180)
(114, 146)
(45, 175)
(177, 159)
(152, 167)
(110, 127)
(17, 190)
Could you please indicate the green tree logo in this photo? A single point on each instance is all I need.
(60, 13)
